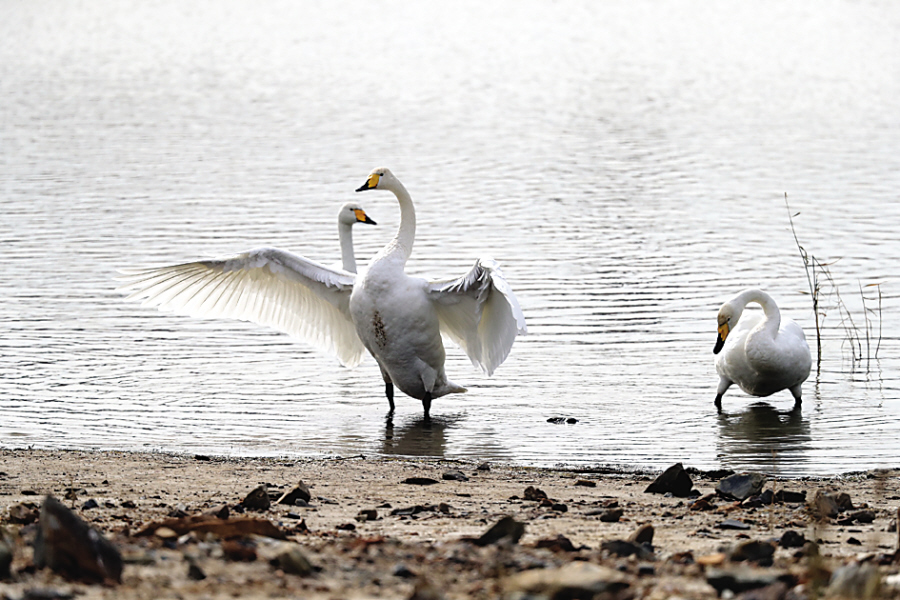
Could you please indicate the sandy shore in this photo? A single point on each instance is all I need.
(365, 538)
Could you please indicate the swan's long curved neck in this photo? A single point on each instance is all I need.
(773, 316)
(345, 235)
(402, 244)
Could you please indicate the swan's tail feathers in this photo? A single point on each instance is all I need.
(479, 312)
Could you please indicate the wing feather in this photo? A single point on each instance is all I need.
(479, 312)
(267, 286)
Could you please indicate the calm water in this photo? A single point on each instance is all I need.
(625, 161)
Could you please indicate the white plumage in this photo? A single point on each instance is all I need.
(763, 354)
(398, 318)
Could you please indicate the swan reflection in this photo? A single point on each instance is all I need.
(418, 437)
(762, 436)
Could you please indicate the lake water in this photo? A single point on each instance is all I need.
(625, 161)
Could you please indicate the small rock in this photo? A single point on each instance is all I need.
(559, 507)
(574, 580)
(790, 497)
(165, 533)
(295, 562)
(403, 572)
(220, 512)
(367, 515)
(90, 504)
(69, 546)
(825, 505)
(743, 579)
(195, 573)
(558, 544)
(257, 499)
(792, 539)
(733, 524)
(673, 480)
(854, 542)
(454, 476)
(863, 516)
(483, 467)
(239, 550)
(24, 513)
(533, 493)
(741, 486)
(753, 551)
(712, 560)
(506, 528)
(623, 548)
(586, 483)
(645, 570)
(300, 492)
(556, 420)
(642, 535)
(612, 515)
(346, 527)
(420, 481)
(843, 501)
(571, 420)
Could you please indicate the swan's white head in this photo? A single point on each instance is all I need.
(353, 213)
(727, 318)
(380, 179)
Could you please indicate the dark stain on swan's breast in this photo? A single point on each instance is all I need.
(378, 327)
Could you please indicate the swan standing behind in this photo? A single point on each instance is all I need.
(349, 215)
(267, 286)
(400, 318)
(763, 354)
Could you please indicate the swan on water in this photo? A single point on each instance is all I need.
(762, 353)
(401, 318)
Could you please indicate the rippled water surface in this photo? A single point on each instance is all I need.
(625, 161)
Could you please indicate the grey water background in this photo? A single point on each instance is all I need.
(626, 162)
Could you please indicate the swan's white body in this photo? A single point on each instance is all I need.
(763, 354)
(398, 318)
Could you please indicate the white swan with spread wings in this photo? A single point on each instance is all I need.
(399, 319)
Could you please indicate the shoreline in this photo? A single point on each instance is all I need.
(370, 531)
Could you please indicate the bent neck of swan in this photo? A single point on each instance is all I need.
(345, 235)
(773, 316)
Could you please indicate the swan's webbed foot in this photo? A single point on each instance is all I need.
(426, 404)
(389, 392)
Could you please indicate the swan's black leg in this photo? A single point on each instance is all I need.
(426, 404)
(719, 402)
(389, 392)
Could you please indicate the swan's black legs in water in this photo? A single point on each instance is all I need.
(719, 402)
(389, 392)
(426, 404)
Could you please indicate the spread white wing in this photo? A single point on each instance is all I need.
(267, 286)
(479, 312)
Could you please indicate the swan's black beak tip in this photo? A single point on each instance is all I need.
(719, 344)
(363, 187)
(368, 220)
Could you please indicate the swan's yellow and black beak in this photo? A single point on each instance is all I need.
(370, 184)
(720, 340)
(362, 217)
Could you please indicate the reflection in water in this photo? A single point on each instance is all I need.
(419, 437)
(763, 436)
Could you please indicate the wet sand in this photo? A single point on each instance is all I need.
(422, 552)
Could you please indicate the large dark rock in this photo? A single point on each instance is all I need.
(301, 492)
(674, 480)
(257, 499)
(825, 505)
(72, 548)
(506, 528)
(741, 485)
(753, 551)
